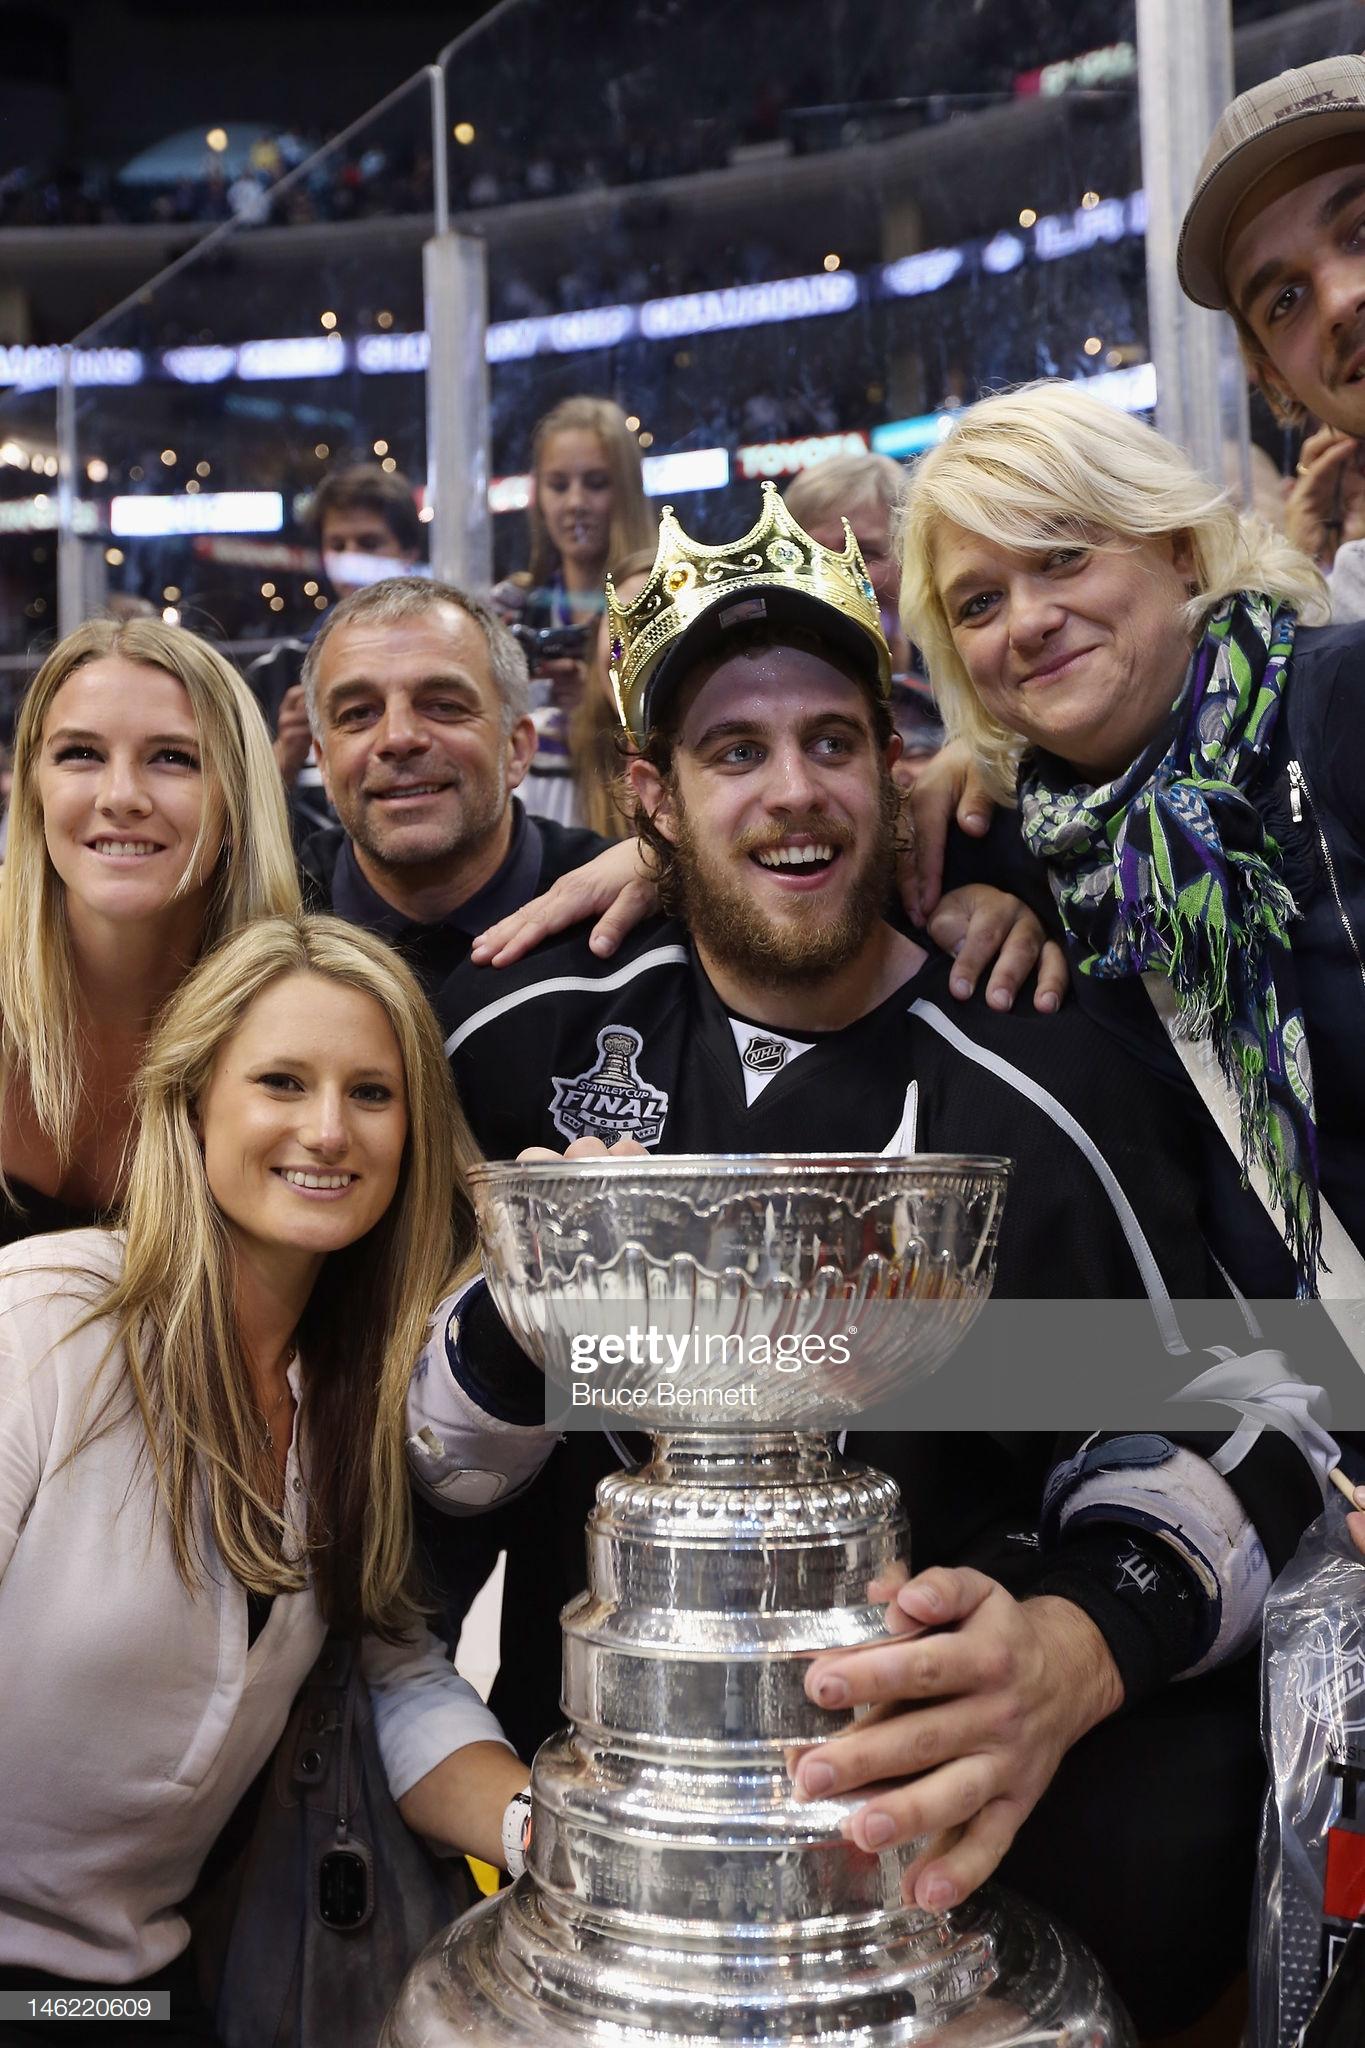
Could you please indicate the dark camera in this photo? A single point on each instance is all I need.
(551, 643)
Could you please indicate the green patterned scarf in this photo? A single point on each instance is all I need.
(1170, 868)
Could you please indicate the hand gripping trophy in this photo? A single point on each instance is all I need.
(741, 1309)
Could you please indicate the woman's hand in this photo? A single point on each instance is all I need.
(617, 888)
(949, 789)
(977, 1697)
(1326, 502)
(460, 1804)
(978, 925)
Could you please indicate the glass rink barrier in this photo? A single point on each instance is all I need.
(193, 423)
(770, 241)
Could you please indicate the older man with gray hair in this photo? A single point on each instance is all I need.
(418, 698)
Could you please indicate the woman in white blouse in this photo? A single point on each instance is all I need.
(202, 1454)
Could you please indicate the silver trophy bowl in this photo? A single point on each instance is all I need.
(823, 1283)
(676, 1891)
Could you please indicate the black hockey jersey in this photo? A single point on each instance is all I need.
(1103, 1203)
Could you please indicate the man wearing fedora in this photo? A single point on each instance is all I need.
(1275, 236)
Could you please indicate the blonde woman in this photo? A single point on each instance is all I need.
(1135, 662)
(588, 509)
(595, 733)
(146, 821)
(202, 1423)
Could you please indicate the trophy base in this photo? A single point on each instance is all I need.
(677, 1890)
(991, 1974)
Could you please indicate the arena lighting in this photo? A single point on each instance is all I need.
(39, 369)
(39, 515)
(387, 355)
(149, 517)
(195, 365)
(307, 355)
(912, 436)
(509, 493)
(1130, 390)
(748, 305)
(1047, 239)
(1107, 220)
(1003, 252)
(561, 334)
(788, 458)
(694, 469)
(911, 276)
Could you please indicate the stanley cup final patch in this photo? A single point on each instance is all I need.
(612, 1099)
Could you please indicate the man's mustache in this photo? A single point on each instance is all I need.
(762, 838)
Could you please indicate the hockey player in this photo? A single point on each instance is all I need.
(779, 1010)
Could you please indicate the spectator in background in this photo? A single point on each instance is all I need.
(1271, 237)
(364, 520)
(596, 753)
(122, 605)
(915, 717)
(587, 509)
(867, 491)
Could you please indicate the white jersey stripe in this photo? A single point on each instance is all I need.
(1025, 1085)
(578, 984)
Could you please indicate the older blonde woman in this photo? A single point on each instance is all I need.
(1126, 656)
(146, 821)
(202, 1423)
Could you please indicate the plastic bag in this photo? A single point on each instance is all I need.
(1312, 1856)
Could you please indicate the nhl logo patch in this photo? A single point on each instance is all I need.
(1329, 1682)
(612, 1099)
(765, 1055)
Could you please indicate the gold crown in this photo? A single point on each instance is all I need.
(690, 581)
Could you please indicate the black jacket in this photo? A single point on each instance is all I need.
(540, 853)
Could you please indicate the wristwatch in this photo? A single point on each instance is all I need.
(516, 1832)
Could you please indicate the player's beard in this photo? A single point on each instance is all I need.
(811, 943)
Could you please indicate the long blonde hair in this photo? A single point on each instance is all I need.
(1046, 463)
(633, 525)
(172, 1308)
(597, 741)
(255, 876)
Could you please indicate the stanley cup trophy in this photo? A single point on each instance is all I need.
(676, 1890)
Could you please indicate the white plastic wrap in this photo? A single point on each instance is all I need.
(1312, 1860)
